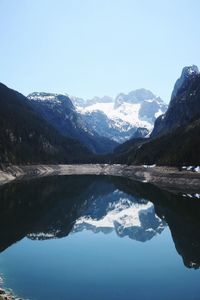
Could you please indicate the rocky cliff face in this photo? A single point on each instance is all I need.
(184, 106)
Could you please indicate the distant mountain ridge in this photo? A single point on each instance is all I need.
(120, 118)
(100, 123)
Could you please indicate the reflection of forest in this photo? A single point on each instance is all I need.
(50, 207)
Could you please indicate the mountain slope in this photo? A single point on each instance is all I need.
(175, 138)
(178, 148)
(60, 112)
(27, 138)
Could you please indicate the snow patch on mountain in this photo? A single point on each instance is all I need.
(118, 119)
(125, 113)
(37, 96)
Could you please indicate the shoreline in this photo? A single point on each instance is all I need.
(169, 178)
(8, 295)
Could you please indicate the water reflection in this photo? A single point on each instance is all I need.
(54, 207)
(127, 215)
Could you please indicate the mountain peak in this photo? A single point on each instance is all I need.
(134, 97)
(188, 73)
(190, 70)
(142, 94)
(51, 99)
(184, 104)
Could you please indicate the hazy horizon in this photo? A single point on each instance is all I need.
(97, 48)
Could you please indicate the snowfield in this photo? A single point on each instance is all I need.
(127, 113)
(124, 117)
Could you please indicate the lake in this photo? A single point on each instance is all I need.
(97, 237)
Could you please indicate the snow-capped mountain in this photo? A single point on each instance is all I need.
(118, 119)
(100, 123)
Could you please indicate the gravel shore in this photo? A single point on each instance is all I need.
(164, 177)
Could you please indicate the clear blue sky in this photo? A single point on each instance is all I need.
(94, 47)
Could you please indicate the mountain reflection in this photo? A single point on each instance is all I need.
(126, 214)
(54, 207)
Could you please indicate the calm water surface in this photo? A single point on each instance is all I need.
(87, 237)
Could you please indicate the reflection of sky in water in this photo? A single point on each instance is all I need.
(98, 266)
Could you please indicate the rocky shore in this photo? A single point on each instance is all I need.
(6, 295)
(165, 177)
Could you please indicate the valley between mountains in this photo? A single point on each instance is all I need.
(136, 129)
(141, 148)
